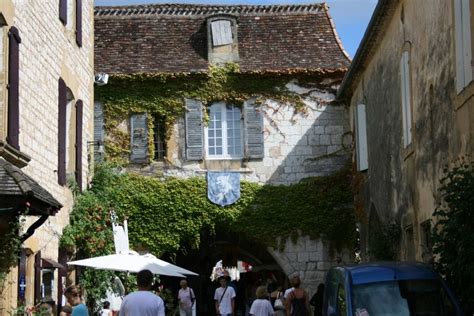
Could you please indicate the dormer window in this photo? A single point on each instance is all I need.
(222, 40)
(221, 32)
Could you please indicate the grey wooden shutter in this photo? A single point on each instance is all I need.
(79, 121)
(139, 138)
(63, 11)
(253, 131)
(194, 130)
(62, 105)
(79, 23)
(98, 130)
(13, 131)
(221, 32)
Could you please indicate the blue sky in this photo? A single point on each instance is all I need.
(350, 16)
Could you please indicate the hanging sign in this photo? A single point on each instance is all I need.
(223, 188)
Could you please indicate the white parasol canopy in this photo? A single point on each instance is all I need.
(128, 260)
(133, 262)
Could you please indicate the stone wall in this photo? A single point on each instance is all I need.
(402, 183)
(309, 259)
(49, 51)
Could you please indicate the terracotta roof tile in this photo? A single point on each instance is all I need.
(172, 38)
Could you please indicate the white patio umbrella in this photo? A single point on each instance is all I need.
(130, 262)
(170, 265)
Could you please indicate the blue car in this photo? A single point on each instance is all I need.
(387, 289)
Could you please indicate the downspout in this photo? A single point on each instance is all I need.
(31, 230)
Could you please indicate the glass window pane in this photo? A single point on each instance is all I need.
(211, 142)
(219, 133)
(219, 142)
(219, 151)
(212, 151)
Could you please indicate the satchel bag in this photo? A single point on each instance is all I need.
(278, 302)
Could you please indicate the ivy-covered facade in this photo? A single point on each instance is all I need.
(240, 89)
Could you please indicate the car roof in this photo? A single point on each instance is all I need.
(389, 271)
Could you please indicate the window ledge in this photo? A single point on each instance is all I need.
(13, 155)
(408, 151)
(464, 96)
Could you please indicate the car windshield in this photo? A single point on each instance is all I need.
(402, 298)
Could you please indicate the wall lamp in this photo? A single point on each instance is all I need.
(97, 144)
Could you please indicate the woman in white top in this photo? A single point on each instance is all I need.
(106, 310)
(261, 306)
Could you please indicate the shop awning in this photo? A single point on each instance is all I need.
(19, 192)
(51, 264)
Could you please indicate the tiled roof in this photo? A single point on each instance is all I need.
(15, 184)
(173, 38)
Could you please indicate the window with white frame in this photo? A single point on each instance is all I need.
(224, 132)
(406, 98)
(463, 41)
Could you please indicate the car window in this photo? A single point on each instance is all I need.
(402, 298)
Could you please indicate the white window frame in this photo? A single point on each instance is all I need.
(361, 138)
(405, 84)
(225, 155)
(463, 42)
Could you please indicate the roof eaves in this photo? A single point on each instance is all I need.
(336, 36)
(382, 13)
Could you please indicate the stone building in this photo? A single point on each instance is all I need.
(46, 97)
(262, 136)
(410, 92)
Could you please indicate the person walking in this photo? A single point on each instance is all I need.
(143, 302)
(297, 303)
(74, 298)
(186, 299)
(106, 311)
(317, 300)
(261, 306)
(224, 296)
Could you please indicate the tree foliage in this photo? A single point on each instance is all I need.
(453, 236)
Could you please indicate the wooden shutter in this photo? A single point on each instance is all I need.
(13, 130)
(62, 274)
(79, 120)
(361, 138)
(221, 32)
(462, 23)
(79, 23)
(37, 294)
(63, 11)
(194, 130)
(62, 105)
(253, 131)
(139, 138)
(98, 130)
(406, 98)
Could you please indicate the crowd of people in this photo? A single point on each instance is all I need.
(268, 299)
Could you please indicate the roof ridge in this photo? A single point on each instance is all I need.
(204, 9)
(336, 35)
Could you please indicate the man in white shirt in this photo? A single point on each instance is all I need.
(225, 298)
(143, 302)
(186, 299)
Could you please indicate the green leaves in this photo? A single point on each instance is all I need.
(453, 235)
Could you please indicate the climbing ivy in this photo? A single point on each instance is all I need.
(170, 215)
(10, 240)
(164, 94)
